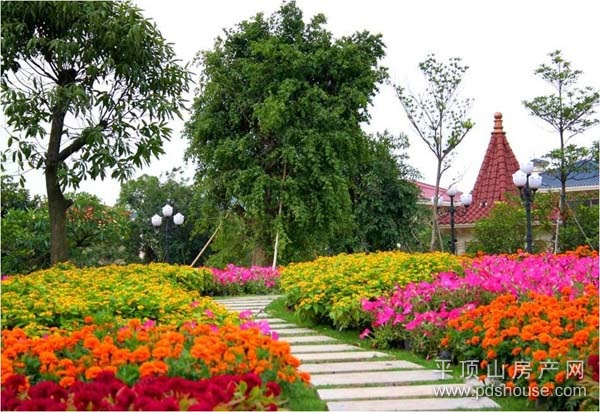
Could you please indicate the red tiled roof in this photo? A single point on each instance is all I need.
(428, 191)
(495, 176)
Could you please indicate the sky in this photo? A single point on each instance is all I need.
(501, 42)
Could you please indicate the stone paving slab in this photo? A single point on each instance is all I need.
(247, 298)
(337, 367)
(374, 392)
(428, 404)
(340, 356)
(292, 331)
(388, 377)
(282, 325)
(309, 339)
(341, 347)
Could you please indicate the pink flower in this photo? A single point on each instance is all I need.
(209, 313)
(246, 314)
(365, 333)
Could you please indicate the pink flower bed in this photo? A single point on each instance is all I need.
(427, 306)
(262, 276)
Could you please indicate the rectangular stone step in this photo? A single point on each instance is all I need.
(308, 339)
(283, 325)
(375, 392)
(340, 356)
(292, 331)
(337, 367)
(422, 404)
(342, 347)
(388, 377)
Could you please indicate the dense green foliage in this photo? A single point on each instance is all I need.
(97, 235)
(144, 197)
(580, 227)
(15, 197)
(383, 202)
(87, 90)
(275, 133)
(504, 229)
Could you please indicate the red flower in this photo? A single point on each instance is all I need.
(594, 363)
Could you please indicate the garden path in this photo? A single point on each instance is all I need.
(350, 378)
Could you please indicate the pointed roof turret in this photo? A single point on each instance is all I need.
(495, 175)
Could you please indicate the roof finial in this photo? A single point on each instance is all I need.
(498, 122)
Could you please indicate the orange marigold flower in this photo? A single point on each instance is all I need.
(540, 355)
(491, 354)
(153, 368)
(92, 372)
(66, 381)
(580, 338)
(88, 320)
(560, 377)
(475, 340)
(444, 342)
(516, 350)
(141, 354)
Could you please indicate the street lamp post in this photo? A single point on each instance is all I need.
(465, 200)
(167, 212)
(528, 183)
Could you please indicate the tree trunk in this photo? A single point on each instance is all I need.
(563, 189)
(57, 204)
(259, 257)
(435, 229)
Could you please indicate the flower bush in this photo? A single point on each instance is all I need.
(330, 289)
(536, 329)
(419, 312)
(235, 280)
(138, 350)
(64, 295)
(106, 392)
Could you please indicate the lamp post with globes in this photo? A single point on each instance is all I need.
(528, 183)
(167, 213)
(465, 200)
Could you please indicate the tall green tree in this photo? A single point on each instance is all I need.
(439, 117)
(569, 110)
(144, 197)
(275, 130)
(87, 90)
(384, 201)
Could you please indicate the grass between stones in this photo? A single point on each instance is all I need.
(306, 398)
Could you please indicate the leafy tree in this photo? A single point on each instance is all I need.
(569, 110)
(504, 229)
(25, 240)
(384, 202)
(87, 89)
(144, 197)
(580, 229)
(15, 197)
(439, 117)
(97, 234)
(275, 129)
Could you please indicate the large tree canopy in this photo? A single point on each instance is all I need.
(87, 89)
(275, 130)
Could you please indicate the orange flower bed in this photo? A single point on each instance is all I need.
(140, 350)
(541, 333)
